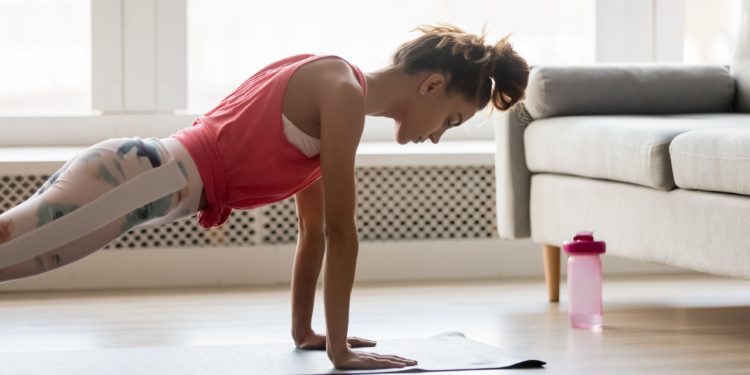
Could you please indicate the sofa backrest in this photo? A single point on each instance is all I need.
(629, 89)
(741, 63)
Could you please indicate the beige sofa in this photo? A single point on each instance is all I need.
(655, 159)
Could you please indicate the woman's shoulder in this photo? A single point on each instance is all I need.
(326, 74)
(287, 61)
(336, 69)
(332, 72)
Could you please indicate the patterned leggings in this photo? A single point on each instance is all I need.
(97, 170)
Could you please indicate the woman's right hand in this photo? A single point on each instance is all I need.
(351, 360)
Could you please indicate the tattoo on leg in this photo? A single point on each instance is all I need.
(90, 154)
(157, 208)
(92, 168)
(106, 175)
(52, 179)
(119, 168)
(142, 150)
(47, 212)
(48, 183)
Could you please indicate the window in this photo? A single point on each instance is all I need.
(45, 67)
(228, 43)
(710, 31)
(150, 55)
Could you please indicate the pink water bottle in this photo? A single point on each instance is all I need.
(584, 280)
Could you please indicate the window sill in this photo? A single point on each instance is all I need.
(44, 160)
(83, 130)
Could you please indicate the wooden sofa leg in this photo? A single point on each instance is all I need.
(552, 271)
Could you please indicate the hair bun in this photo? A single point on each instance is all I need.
(480, 72)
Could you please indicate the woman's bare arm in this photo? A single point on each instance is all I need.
(308, 259)
(342, 115)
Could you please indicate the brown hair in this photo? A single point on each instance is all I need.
(472, 65)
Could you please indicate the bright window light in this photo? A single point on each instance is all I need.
(230, 40)
(45, 68)
(710, 31)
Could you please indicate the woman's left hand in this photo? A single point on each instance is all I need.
(314, 341)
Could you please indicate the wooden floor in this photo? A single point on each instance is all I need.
(652, 325)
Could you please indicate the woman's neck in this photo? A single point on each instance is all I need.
(388, 91)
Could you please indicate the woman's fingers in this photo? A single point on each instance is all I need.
(378, 361)
(393, 358)
(363, 360)
(359, 342)
(389, 356)
(409, 362)
(372, 360)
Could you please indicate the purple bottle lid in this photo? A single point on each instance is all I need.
(583, 243)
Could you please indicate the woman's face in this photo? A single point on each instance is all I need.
(430, 112)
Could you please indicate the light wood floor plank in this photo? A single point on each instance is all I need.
(652, 325)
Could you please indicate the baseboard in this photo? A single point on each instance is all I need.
(380, 261)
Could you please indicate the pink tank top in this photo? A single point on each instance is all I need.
(240, 149)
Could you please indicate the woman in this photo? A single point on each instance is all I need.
(291, 128)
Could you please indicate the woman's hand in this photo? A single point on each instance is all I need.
(351, 360)
(314, 341)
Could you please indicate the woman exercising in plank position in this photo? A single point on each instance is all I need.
(291, 128)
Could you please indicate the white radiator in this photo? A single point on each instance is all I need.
(393, 203)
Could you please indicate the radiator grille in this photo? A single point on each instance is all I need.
(393, 203)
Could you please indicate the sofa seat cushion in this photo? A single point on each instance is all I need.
(713, 160)
(633, 149)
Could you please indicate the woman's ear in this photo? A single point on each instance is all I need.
(433, 82)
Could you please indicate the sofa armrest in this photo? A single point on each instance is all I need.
(628, 89)
(512, 177)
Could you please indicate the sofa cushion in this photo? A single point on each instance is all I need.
(741, 62)
(713, 160)
(648, 89)
(632, 149)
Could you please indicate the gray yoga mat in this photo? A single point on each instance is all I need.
(449, 351)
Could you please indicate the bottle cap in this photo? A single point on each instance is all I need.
(583, 243)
